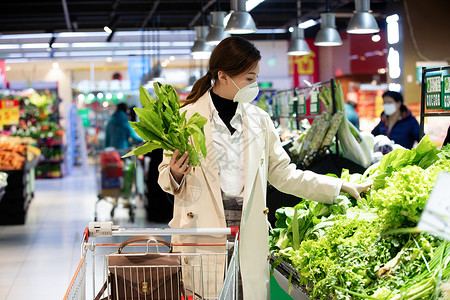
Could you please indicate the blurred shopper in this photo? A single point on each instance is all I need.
(350, 112)
(119, 133)
(397, 122)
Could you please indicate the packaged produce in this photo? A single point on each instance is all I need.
(162, 126)
(370, 248)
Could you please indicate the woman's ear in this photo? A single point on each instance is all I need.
(222, 77)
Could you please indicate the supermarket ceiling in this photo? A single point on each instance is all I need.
(75, 28)
(53, 16)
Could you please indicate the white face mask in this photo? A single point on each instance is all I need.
(247, 94)
(389, 109)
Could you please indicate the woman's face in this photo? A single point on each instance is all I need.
(244, 79)
(390, 100)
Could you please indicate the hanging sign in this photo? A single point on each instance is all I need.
(9, 112)
(301, 105)
(313, 103)
(433, 92)
(446, 93)
(435, 217)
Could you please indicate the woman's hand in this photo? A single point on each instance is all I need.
(354, 189)
(180, 167)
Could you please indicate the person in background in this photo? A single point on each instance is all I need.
(350, 112)
(119, 133)
(397, 122)
(244, 153)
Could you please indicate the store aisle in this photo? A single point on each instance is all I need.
(38, 259)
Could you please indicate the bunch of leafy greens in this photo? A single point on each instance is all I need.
(163, 127)
(356, 249)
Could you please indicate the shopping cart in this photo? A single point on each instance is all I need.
(208, 280)
(120, 181)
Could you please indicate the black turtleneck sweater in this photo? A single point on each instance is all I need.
(226, 109)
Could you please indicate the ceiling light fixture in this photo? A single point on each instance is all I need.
(201, 50)
(298, 45)
(241, 22)
(217, 29)
(107, 29)
(362, 22)
(328, 34)
(251, 4)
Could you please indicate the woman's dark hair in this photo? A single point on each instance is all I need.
(397, 98)
(234, 56)
(122, 107)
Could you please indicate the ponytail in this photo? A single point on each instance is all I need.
(200, 87)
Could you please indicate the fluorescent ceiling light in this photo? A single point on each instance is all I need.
(95, 45)
(10, 46)
(182, 44)
(270, 31)
(251, 4)
(91, 53)
(36, 54)
(81, 34)
(60, 45)
(26, 36)
(35, 46)
(307, 24)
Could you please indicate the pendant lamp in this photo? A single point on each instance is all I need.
(298, 45)
(240, 22)
(217, 29)
(200, 50)
(328, 34)
(362, 22)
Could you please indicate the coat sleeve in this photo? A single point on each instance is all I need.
(285, 176)
(376, 130)
(415, 131)
(165, 178)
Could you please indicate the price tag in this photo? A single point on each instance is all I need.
(313, 103)
(301, 105)
(9, 112)
(446, 93)
(435, 217)
(433, 93)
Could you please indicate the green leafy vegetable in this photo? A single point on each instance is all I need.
(162, 127)
(370, 248)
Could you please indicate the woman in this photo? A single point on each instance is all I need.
(244, 153)
(397, 122)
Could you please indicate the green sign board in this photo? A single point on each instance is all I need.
(313, 103)
(433, 92)
(446, 93)
(301, 105)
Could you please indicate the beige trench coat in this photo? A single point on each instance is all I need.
(198, 201)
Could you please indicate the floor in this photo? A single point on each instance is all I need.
(38, 259)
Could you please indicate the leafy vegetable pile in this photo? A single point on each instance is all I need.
(161, 125)
(370, 249)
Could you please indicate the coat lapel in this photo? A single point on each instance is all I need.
(209, 165)
(254, 147)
